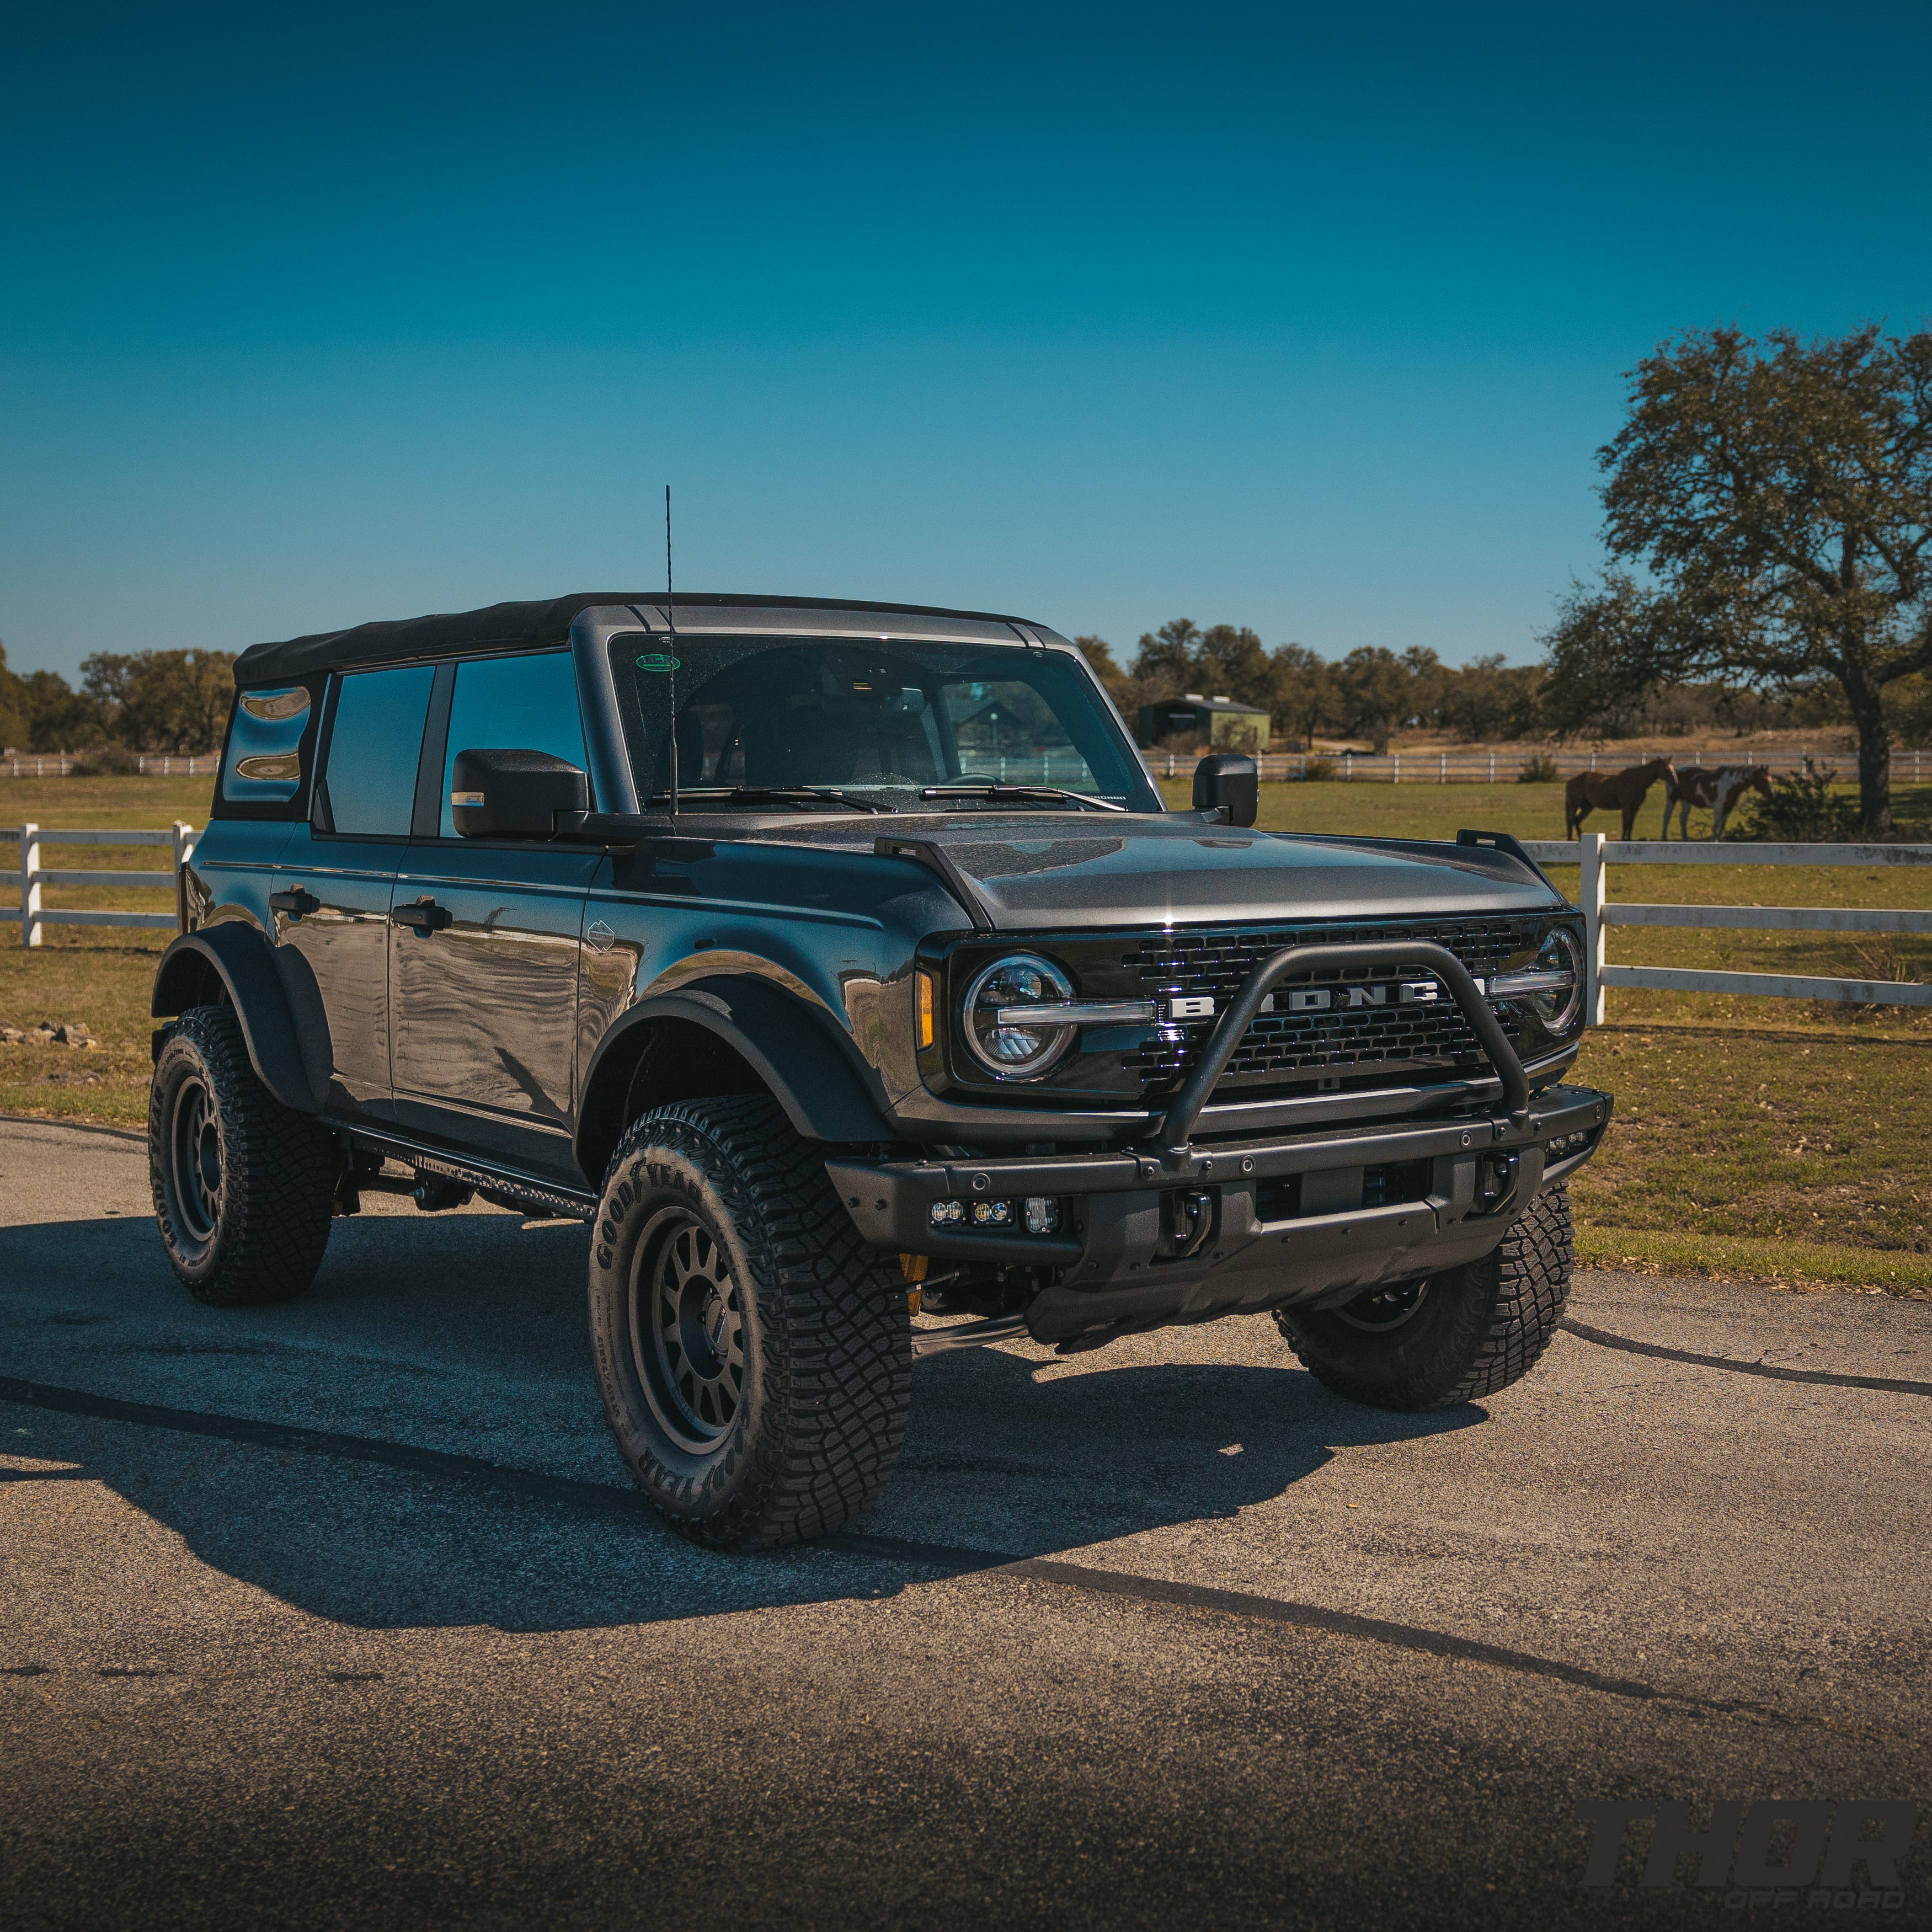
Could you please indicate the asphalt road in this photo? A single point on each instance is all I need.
(341, 1613)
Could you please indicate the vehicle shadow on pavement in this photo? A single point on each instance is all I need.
(462, 1336)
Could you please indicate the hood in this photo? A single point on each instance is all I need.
(1054, 870)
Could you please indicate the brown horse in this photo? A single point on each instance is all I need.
(1714, 789)
(1599, 791)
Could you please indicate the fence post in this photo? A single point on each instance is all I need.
(1442, 769)
(1395, 778)
(1590, 891)
(30, 885)
(1492, 768)
(1348, 764)
(184, 851)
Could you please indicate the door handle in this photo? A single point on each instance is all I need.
(425, 916)
(295, 903)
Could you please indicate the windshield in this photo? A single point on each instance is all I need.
(881, 721)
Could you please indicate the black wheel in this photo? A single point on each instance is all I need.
(1454, 1337)
(244, 1187)
(754, 1354)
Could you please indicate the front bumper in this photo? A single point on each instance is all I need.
(1115, 1263)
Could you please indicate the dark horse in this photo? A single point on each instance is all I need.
(1598, 791)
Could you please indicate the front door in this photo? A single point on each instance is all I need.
(331, 902)
(484, 942)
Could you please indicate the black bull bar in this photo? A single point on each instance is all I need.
(1177, 1126)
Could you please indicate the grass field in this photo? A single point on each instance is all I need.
(101, 975)
(1782, 1139)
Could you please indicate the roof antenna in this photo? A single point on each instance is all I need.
(670, 608)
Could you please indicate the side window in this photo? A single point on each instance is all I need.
(513, 704)
(374, 747)
(264, 765)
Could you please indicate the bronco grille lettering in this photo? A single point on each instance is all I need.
(1400, 1019)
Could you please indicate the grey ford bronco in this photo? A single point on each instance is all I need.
(841, 967)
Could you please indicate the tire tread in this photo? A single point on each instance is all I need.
(279, 1170)
(835, 1339)
(1520, 1290)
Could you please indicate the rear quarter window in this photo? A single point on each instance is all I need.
(270, 749)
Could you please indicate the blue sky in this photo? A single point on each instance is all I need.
(1109, 314)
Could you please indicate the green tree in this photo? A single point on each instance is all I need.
(1908, 705)
(13, 707)
(1305, 699)
(1487, 698)
(180, 699)
(1230, 662)
(1377, 691)
(1167, 658)
(173, 701)
(1224, 661)
(1780, 495)
(1605, 655)
(58, 717)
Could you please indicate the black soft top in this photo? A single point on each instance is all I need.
(515, 626)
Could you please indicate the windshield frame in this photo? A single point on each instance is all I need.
(622, 647)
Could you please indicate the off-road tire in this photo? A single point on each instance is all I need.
(814, 1320)
(1474, 1330)
(244, 1187)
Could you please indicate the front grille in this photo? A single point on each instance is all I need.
(1333, 1048)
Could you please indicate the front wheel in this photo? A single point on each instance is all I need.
(755, 1355)
(1452, 1337)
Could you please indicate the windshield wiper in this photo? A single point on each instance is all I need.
(771, 795)
(1001, 792)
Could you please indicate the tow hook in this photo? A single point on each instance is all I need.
(1495, 1181)
(1190, 1221)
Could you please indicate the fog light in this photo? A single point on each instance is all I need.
(992, 1213)
(948, 1213)
(1042, 1215)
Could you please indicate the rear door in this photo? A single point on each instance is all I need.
(331, 904)
(483, 951)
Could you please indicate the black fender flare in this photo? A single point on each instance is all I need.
(246, 965)
(814, 1076)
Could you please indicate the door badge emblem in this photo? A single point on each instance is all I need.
(601, 936)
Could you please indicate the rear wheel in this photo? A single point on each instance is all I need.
(1452, 1337)
(754, 1354)
(244, 1187)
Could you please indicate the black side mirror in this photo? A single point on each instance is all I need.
(513, 794)
(1230, 781)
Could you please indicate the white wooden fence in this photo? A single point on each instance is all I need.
(59, 764)
(32, 916)
(1595, 854)
(1502, 767)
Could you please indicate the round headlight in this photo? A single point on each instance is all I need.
(1015, 1052)
(1556, 1007)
